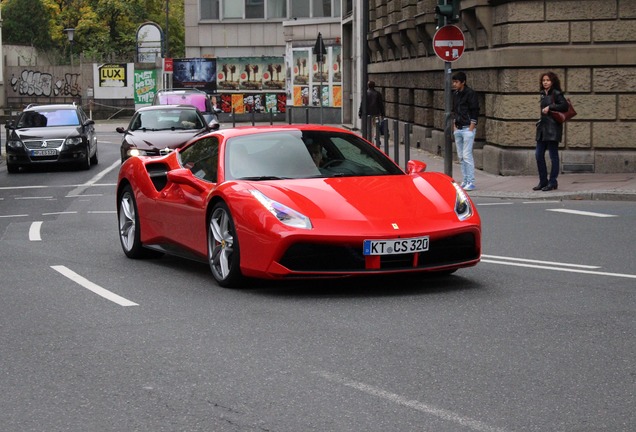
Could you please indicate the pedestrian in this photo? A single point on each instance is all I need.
(465, 114)
(549, 131)
(375, 107)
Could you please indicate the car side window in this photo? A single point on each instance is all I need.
(202, 158)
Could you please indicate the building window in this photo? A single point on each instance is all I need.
(322, 8)
(254, 8)
(232, 9)
(209, 9)
(276, 8)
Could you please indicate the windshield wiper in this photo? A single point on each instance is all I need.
(263, 178)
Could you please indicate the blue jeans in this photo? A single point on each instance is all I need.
(553, 150)
(464, 140)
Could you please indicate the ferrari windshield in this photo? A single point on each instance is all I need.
(303, 154)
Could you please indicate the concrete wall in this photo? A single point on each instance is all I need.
(590, 44)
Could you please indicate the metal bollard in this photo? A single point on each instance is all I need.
(306, 115)
(386, 135)
(407, 144)
(396, 142)
(253, 116)
(233, 118)
(271, 116)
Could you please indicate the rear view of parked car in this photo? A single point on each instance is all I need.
(48, 134)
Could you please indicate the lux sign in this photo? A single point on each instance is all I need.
(112, 75)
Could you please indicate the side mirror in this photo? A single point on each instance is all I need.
(89, 122)
(184, 176)
(120, 129)
(415, 166)
(214, 125)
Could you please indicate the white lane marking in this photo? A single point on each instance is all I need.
(540, 202)
(79, 190)
(102, 212)
(34, 231)
(58, 213)
(92, 286)
(441, 413)
(55, 186)
(15, 215)
(83, 196)
(598, 273)
(582, 213)
(494, 204)
(33, 198)
(553, 263)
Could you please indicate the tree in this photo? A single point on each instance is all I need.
(27, 22)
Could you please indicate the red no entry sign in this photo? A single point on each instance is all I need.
(448, 43)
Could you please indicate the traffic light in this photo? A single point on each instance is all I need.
(447, 12)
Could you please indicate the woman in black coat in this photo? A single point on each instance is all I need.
(549, 131)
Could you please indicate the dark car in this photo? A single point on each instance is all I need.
(159, 129)
(46, 134)
(189, 96)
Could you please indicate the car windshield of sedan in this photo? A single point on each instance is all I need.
(46, 118)
(168, 119)
(304, 154)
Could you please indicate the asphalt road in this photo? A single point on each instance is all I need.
(537, 337)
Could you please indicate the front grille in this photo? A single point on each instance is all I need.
(313, 257)
(38, 144)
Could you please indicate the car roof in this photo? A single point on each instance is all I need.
(167, 107)
(35, 107)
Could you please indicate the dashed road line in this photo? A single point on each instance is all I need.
(34, 231)
(441, 413)
(108, 295)
(582, 213)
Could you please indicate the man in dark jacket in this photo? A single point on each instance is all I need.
(375, 106)
(465, 114)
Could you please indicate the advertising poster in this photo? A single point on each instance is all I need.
(301, 67)
(237, 104)
(337, 96)
(336, 64)
(274, 73)
(228, 74)
(113, 75)
(145, 86)
(195, 73)
(251, 77)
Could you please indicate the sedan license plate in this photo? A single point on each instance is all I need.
(47, 152)
(395, 246)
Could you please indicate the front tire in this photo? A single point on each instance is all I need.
(129, 231)
(85, 164)
(223, 248)
(95, 158)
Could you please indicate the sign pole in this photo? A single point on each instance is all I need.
(448, 126)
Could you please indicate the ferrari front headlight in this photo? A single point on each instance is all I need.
(283, 213)
(463, 207)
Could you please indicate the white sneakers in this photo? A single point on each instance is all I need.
(468, 186)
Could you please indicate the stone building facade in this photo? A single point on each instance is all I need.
(590, 44)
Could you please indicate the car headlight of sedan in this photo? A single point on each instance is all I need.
(73, 141)
(463, 207)
(283, 213)
(14, 144)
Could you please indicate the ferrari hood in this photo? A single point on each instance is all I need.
(399, 199)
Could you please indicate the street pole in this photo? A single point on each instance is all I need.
(448, 127)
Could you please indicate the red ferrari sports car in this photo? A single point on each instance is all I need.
(294, 201)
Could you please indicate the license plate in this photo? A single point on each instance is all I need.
(395, 246)
(47, 152)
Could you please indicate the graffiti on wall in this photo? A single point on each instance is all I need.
(35, 83)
